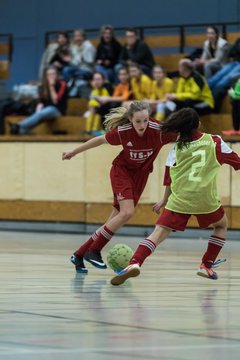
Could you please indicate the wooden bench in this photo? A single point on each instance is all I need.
(62, 125)
(215, 123)
(77, 106)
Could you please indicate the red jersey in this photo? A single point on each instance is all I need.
(139, 152)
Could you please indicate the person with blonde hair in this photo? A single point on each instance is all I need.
(190, 178)
(141, 139)
(161, 86)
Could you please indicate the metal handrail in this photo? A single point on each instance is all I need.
(142, 30)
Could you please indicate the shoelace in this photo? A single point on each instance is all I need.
(218, 262)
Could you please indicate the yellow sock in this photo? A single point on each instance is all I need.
(96, 122)
(160, 116)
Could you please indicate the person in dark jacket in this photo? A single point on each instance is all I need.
(108, 52)
(136, 51)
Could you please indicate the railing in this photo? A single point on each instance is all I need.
(180, 30)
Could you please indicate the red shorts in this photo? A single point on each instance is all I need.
(178, 221)
(127, 185)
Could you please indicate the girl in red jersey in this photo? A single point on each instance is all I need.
(190, 179)
(141, 139)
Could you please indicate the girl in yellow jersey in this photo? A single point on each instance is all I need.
(190, 179)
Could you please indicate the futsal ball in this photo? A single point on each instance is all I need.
(119, 256)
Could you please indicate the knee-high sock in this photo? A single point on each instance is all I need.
(145, 248)
(103, 238)
(215, 245)
(81, 251)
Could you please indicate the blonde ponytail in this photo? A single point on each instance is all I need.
(121, 115)
(115, 118)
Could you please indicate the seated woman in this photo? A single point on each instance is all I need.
(95, 109)
(215, 52)
(52, 103)
(161, 86)
(122, 91)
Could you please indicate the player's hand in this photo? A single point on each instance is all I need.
(67, 155)
(157, 207)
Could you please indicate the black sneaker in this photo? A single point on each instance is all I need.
(79, 264)
(14, 129)
(95, 258)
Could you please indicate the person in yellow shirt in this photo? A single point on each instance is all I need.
(122, 91)
(161, 85)
(95, 108)
(141, 84)
(192, 90)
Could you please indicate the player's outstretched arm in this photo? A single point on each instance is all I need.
(90, 144)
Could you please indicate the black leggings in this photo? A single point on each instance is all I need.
(236, 114)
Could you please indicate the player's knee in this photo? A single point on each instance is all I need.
(127, 214)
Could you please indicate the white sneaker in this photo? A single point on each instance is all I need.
(130, 271)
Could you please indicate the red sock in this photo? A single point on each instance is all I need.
(215, 245)
(145, 248)
(103, 238)
(81, 251)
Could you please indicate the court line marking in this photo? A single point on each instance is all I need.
(178, 332)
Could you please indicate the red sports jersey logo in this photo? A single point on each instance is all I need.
(140, 154)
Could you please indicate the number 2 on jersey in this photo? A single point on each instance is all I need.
(193, 176)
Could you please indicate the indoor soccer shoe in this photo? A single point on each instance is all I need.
(95, 258)
(207, 273)
(130, 271)
(79, 265)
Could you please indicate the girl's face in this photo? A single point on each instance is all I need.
(78, 38)
(123, 76)
(211, 35)
(107, 35)
(134, 72)
(97, 81)
(51, 75)
(158, 74)
(62, 40)
(139, 121)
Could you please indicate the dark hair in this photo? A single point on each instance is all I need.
(99, 73)
(185, 122)
(65, 34)
(215, 29)
(132, 29)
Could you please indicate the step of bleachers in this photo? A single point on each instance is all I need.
(77, 106)
(62, 125)
(215, 123)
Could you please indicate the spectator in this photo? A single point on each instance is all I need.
(51, 50)
(95, 109)
(61, 59)
(53, 103)
(136, 51)
(82, 58)
(192, 90)
(234, 94)
(140, 83)
(224, 78)
(215, 52)
(108, 52)
(161, 86)
(122, 91)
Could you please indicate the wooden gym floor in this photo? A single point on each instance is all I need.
(49, 313)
